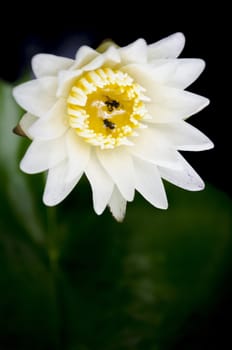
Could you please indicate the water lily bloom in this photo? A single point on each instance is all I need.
(117, 115)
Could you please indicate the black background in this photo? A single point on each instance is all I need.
(62, 28)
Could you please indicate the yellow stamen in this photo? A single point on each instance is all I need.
(105, 107)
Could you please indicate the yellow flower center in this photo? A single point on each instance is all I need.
(105, 107)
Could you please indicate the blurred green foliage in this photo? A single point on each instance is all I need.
(72, 280)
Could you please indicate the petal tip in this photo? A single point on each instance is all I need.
(16, 92)
(164, 206)
(209, 145)
(118, 218)
(98, 211)
(207, 101)
(201, 63)
(48, 202)
(201, 186)
(35, 59)
(23, 166)
(179, 36)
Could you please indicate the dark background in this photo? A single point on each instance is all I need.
(30, 30)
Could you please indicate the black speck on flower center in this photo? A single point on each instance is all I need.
(111, 104)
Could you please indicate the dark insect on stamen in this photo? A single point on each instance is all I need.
(111, 104)
(109, 124)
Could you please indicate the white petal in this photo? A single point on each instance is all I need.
(66, 79)
(141, 73)
(110, 57)
(53, 124)
(187, 71)
(178, 73)
(42, 155)
(101, 184)
(153, 147)
(84, 55)
(162, 114)
(49, 65)
(169, 47)
(184, 136)
(117, 205)
(149, 183)
(183, 104)
(78, 153)
(134, 53)
(119, 166)
(26, 122)
(36, 96)
(185, 178)
(57, 187)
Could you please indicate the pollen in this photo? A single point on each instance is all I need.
(107, 108)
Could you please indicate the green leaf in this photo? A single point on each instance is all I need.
(15, 185)
(134, 285)
(72, 280)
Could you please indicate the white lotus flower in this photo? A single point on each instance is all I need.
(116, 115)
